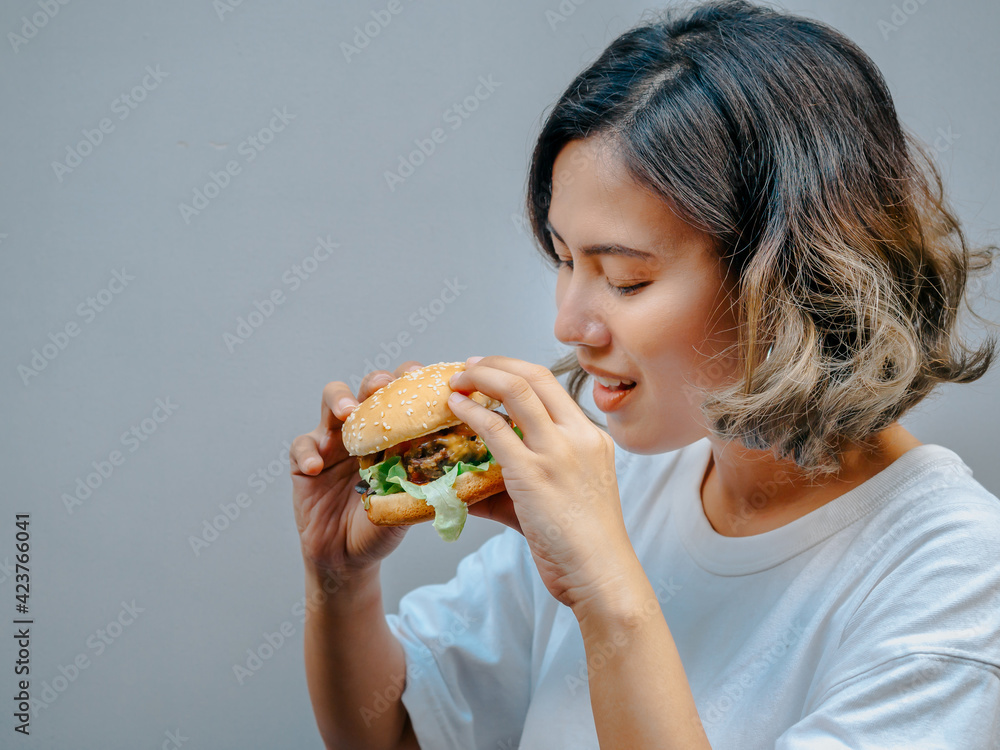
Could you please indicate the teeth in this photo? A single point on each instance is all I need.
(612, 382)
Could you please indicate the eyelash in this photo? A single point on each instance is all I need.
(624, 291)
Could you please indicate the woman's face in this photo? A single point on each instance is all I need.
(642, 298)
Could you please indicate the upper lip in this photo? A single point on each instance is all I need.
(604, 373)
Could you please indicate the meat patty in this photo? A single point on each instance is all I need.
(427, 458)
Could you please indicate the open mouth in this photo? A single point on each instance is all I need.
(610, 394)
(614, 384)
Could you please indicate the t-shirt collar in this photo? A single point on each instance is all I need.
(724, 555)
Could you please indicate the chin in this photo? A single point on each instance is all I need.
(646, 439)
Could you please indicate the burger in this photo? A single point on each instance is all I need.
(417, 460)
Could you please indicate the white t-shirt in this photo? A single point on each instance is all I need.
(872, 622)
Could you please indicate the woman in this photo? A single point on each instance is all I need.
(757, 268)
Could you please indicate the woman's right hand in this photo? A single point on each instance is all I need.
(334, 530)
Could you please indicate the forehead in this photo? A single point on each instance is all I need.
(596, 199)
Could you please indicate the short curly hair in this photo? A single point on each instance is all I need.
(777, 135)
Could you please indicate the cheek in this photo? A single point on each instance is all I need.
(668, 330)
(678, 345)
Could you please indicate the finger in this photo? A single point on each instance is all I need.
(377, 379)
(408, 366)
(373, 381)
(499, 508)
(561, 407)
(339, 401)
(493, 429)
(518, 395)
(304, 456)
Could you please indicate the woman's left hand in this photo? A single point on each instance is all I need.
(560, 480)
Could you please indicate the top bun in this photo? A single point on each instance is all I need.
(411, 406)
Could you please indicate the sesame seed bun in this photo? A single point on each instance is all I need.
(411, 406)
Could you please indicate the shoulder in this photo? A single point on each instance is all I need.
(927, 570)
(938, 507)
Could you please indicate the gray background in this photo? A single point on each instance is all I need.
(162, 337)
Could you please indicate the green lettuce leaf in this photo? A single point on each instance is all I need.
(450, 513)
(388, 477)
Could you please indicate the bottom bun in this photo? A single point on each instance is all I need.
(402, 509)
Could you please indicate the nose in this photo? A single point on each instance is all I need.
(579, 320)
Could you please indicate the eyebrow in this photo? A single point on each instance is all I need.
(603, 248)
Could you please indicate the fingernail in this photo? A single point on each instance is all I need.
(345, 404)
(472, 360)
(457, 398)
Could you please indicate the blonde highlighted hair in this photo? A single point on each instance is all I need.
(778, 136)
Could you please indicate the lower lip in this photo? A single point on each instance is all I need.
(609, 399)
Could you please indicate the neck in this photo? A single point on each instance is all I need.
(746, 492)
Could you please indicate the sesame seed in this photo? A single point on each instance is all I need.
(425, 425)
(385, 438)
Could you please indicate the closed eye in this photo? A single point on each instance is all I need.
(624, 291)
